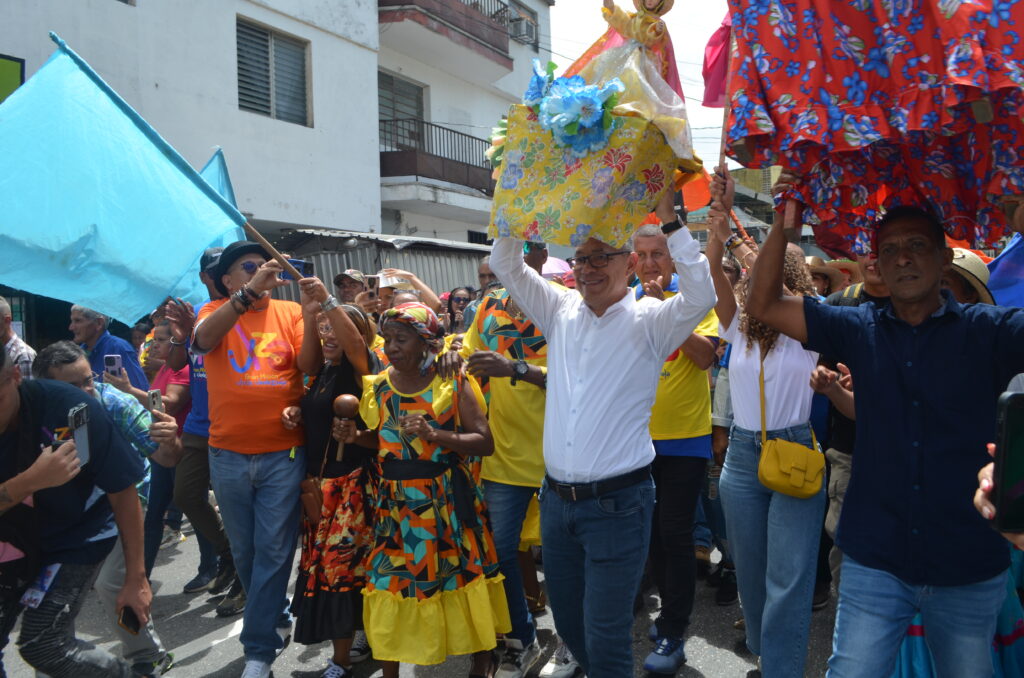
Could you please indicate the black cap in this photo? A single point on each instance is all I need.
(230, 255)
(211, 255)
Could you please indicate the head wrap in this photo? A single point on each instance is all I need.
(423, 321)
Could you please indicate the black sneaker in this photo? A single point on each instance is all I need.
(234, 601)
(201, 582)
(360, 650)
(822, 593)
(726, 593)
(154, 669)
(225, 576)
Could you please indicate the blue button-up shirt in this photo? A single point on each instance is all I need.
(108, 344)
(926, 406)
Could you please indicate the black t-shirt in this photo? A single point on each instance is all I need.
(318, 414)
(842, 429)
(76, 523)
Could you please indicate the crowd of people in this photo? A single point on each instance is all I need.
(418, 448)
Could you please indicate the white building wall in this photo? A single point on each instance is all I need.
(174, 61)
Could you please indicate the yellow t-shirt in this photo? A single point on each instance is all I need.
(682, 406)
(516, 413)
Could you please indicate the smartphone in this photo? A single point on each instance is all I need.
(156, 400)
(305, 269)
(372, 283)
(78, 420)
(129, 621)
(112, 364)
(1009, 469)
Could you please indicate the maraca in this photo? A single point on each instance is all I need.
(345, 407)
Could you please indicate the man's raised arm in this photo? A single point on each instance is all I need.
(678, 317)
(531, 292)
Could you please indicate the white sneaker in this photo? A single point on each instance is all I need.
(517, 659)
(561, 665)
(335, 671)
(254, 668)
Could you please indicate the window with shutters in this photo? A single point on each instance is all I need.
(272, 74)
(400, 102)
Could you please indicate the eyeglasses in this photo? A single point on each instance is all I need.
(460, 300)
(597, 260)
(325, 328)
(87, 382)
(250, 267)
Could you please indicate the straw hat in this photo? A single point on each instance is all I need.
(972, 269)
(847, 266)
(817, 265)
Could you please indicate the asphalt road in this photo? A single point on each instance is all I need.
(206, 645)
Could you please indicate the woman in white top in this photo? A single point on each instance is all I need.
(774, 537)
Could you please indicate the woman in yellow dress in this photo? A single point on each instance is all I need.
(433, 587)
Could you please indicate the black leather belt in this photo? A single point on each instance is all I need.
(581, 491)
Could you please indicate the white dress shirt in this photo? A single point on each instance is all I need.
(603, 371)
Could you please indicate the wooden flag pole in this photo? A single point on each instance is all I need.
(278, 257)
(725, 124)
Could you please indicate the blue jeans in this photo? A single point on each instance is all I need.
(875, 608)
(258, 496)
(594, 552)
(713, 512)
(774, 541)
(161, 494)
(507, 506)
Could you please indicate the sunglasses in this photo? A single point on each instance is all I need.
(460, 300)
(250, 267)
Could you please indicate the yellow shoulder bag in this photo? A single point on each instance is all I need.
(787, 467)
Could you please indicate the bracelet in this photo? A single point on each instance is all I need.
(670, 227)
(242, 298)
(733, 241)
(251, 293)
(329, 303)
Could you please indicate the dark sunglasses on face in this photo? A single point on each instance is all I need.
(597, 260)
(250, 267)
(460, 300)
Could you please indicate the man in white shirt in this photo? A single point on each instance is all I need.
(605, 352)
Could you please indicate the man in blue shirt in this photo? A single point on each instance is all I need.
(926, 407)
(77, 511)
(192, 477)
(89, 330)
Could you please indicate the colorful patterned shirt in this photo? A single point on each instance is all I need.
(516, 413)
(133, 421)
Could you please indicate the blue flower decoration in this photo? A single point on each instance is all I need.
(856, 88)
(538, 85)
(581, 235)
(634, 191)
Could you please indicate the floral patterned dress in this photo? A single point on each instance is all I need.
(883, 102)
(433, 587)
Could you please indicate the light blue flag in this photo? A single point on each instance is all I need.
(98, 209)
(1007, 274)
(215, 171)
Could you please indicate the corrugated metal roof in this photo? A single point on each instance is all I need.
(397, 241)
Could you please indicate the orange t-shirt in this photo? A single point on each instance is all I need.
(251, 377)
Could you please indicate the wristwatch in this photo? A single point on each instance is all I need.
(519, 370)
(329, 303)
(670, 227)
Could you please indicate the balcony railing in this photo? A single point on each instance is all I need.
(410, 147)
(496, 10)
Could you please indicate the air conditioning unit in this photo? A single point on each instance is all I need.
(522, 30)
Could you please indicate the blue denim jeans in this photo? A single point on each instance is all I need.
(714, 514)
(161, 494)
(774, 542)
(876, 607)
(258, 495)
(507, 506)
(594, 552)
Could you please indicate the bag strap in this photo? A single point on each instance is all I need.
(764, 426)
(760, 379)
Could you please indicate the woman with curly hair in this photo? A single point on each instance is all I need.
(433, 587)
(773, 536)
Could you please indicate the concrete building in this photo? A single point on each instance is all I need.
(448, 71)
(286, 87)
